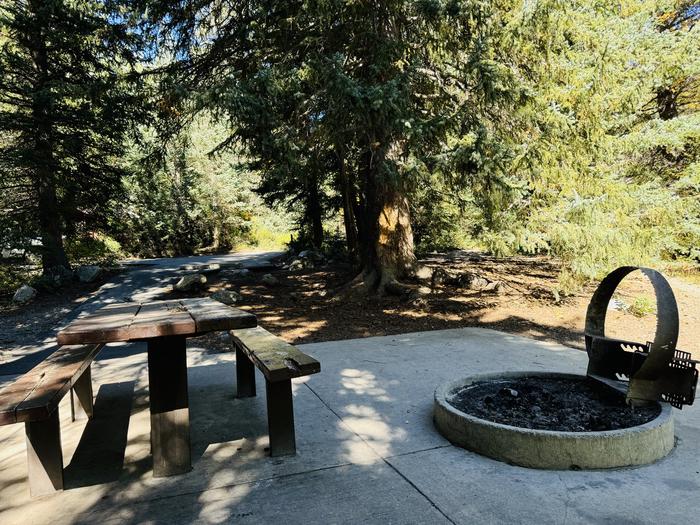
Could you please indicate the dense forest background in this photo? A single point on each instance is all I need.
(377, 130)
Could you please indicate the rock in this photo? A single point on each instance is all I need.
(242, 273)
(24, 294)
(190, 282)
(495, 286)
(226, 296)
(440, 276)
(188, 267)
(474, 282)
(270, 280)
(211, 268)
(311, 255)
(424, 273)
(509, 392)
(88, 273)
(424, 290)
(296, 264)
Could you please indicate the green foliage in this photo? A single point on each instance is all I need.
(611, 166)
(193, 200)
(13, 275)
(96, 248)
(568, 128)
(66, 104)
(642, 306)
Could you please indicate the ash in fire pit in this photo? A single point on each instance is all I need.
(569, 405)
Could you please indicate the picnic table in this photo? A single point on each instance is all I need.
(165, 326)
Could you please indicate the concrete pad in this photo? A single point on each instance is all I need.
(367, 448)
(466, 486)
(383, 387)
(346, 494)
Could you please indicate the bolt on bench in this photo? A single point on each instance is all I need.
(279, 362)
(33, 399)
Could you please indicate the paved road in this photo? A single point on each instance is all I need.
(143, 280)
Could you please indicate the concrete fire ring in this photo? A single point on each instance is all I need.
(548, 449)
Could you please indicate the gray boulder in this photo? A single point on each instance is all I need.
(311, 254)
(296, 264)
(211, 268)
(24, 294)
(270, 280)
(242, 273)
(226, 296)
(88, 273)
(190, 282)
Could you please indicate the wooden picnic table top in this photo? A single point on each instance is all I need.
(138, 321)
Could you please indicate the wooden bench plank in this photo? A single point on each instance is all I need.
(108, 324)
(276, 359)
(36, 394)
(212, 315)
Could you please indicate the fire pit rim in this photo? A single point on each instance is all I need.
(551, 449)
(446, 389)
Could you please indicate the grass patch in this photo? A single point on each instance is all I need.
(642, 306)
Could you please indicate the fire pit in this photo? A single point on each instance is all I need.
(617, 415)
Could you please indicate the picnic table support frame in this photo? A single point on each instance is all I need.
(44, 455)
(169, 406)
(245, 375)
(81, 397)
(280, 418)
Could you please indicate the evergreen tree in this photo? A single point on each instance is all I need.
(382, 93)
(65, 106)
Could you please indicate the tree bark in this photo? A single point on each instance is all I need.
(389, 252)
(666, 102)
(53, 254)
(348, 195)
(314, 216)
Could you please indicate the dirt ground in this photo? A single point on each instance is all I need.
(26, 326)
(304, 307)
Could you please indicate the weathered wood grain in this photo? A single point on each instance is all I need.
(108, 324)
(36, 394)
(276, 359)
(210, 315)
(161, 319)
(137, 321)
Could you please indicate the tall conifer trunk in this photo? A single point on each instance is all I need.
(348, 196)
(314, 212)
(388, 252)
(53, 254)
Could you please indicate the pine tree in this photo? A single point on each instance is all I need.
(369, 96)
(65, 106)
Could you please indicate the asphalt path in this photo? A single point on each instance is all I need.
(141, 280)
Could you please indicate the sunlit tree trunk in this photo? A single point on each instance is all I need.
(389, 252)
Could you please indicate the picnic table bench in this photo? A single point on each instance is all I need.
(279, 362)
(33, 399)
